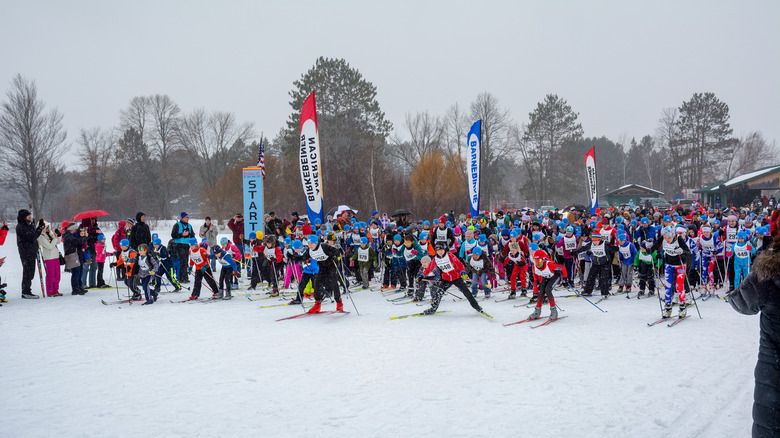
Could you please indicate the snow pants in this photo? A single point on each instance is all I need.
(183, 256)
(626, 276)
(480, 280)
(28, 272)
(546, 289)
(674, 280)
(328, 281)
(149, 294)
(52, 276)
(305, 279)
(514, 270)
(604, 274)
(168, 272)
(741, 269)
(226, 279)
(412, 268)
(646, 277)
(203, 274)
(569, 265)
(439, 288)
(290, 271)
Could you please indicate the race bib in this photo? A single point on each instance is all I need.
(362, 255)
(477, 264)
(625, 250)
(742, 253)
(672, 249)
(645, 257)
(408, 254)
(318, 254)
(444, 264)
(196, 257)
(570, 243)
(598, 250)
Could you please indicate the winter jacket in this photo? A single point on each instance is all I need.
(449, 265)
(163, 256)
(3, 234)
(226, 261)
(238, 231)
(140, 232)
(100, 252)
(210, 235)
(26, 237)
(72, 242)
(146, 265)
(760, 292)
(369, 252)
(177, 233)
(48, 242)
(119, 234)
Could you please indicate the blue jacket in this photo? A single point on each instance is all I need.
(227, 262)
(631, 249)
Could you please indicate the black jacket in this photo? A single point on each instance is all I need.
(26, 237)
(72, 243)
(760, 292)
(140, 232)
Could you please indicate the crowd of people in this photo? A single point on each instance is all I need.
(673, 253)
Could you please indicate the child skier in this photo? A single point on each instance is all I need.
(515, 266)
(226, 274)
(546, 274)
(626, 255)
(480, 267)
(412, 255)
(165, 267)
(452, 273)
(676, 255)
(326, 280)
(126, 260)
(292, 269)
(398, 263)
(272, 260)
(365, 258)
(100, 259)
(646, 263)
(309, 270)
(144, 268)
(600, 266)
(741, 252)
(199, 260)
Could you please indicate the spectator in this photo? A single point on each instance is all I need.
(27, 243)
(209, 231)
(73, 241)
(181, 234)
(48, 241)
(140, 234)
(760, 292)
(122, 231)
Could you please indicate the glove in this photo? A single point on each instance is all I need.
(112, 264)
(41, 224)
(235, 273)
(57, 232)
(414, 252)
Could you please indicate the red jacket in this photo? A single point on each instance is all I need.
(451, 275)
(238, 231)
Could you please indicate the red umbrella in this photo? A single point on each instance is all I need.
(89, 214)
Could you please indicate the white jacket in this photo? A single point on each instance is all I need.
(49, 249)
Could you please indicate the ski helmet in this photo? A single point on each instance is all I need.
(224, 241)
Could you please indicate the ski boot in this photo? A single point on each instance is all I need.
(524, 292)
(316, 307)
(641, 293)
(136, 296)
(227, 296)
(553, 312)
(295, 301)
(683, 311)
(533, 298)
(340, 307)
(667, 312)
(536, 313)
(219, 295)
(620, 290)
(512, 294)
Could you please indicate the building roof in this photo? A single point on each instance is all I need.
(637, 187)
(739, 179)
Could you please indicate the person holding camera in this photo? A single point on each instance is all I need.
(236, 225)
(27, 244)
(209, 231)
(48, 241)
(73, 240)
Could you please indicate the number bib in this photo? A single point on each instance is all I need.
(741, 251)
(270, 253)
(408, 254)
(362, 255)
(196, 257)
(477, 264)
(570, 243)
(645, 257)
(708, 245)
(625, 251)
(672, 249)
(441, 235)
(444, 264)
(731, 234)
(318, 254)
(598, 250)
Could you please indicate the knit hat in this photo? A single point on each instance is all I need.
(123, 242)
(183, 215)
(313, 239)
(540, 254)
(193, 242)
(224, 241)
(364, 240)
(297, 244)
(477, 251)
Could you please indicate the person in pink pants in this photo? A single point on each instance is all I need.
(48, 240)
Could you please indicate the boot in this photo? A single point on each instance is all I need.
(641, 292)
(533, 298)
(339, 307)
(275, 292)
(227, 296)
(620, 289)
(136, 296)
(219, 295)
(295, 301)
(667, 311)
(683, 311)
(523, 293)
(553, 312)
(536, 313)
(316, 307)
(512, 294)
(487, 292)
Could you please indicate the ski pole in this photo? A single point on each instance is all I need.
(345, 288)
(693, 295)
(591, 302)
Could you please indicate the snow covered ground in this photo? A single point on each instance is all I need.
(74, 367)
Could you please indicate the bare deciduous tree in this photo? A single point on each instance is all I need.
(425, 132)
(32, 141)
(217, 141)
(162, 140)
(752, 152)
(495, 145)
(136, 116)
(95, 153)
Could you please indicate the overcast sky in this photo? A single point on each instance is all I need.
(617, 63)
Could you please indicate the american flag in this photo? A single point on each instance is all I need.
(261, 157)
